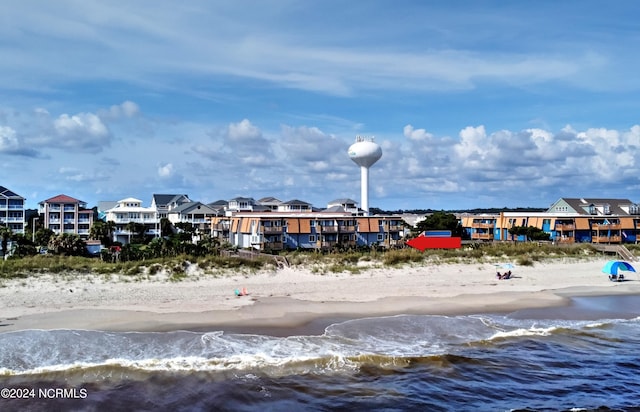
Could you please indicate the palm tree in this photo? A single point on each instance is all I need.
(111, 228)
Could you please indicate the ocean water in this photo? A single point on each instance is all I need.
(583, 357)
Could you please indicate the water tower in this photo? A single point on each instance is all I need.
(364, 152)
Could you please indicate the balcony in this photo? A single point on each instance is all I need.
(328, 229)
(272, 246)
(566, 240)
(271, 229)
(482, 236)
(126, 220)
(615, 226)
(482, 225)
(606, 239)
(328, 244)
(396, 228)
(565, 227)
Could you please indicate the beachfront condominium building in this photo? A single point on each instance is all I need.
(130, 218)
(64, 214)
(568, 220)
(12, 212)
(274, 231)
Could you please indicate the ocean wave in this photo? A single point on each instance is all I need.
(386, 342)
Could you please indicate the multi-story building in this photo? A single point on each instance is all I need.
(196, 213)
(64, 214)
(163, 203)
(12, 212)
(568, 220)
(275, 231)
(128, 211)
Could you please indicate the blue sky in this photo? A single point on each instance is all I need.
(475, 103)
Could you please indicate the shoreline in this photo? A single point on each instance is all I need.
(294, 300)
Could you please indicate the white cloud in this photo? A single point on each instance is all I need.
(165, 170)
(81, 132)
(8, 139)
(126, 109)
(417, 135)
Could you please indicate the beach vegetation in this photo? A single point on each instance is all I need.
(208, 256)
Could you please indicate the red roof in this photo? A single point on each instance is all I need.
(62, 199)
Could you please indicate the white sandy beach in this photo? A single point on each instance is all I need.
(293, 296)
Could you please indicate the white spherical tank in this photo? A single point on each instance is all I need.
(365, 152)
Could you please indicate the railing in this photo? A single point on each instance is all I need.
(273, 245)
(482, 225)
(564, 228)
(606, 239)
(482, 236)
(615, 226)
(328, 229)
(271, 229)
(346, 229)
(135, 220)
(395, 228)
(566, 239)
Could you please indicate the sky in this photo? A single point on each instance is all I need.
(475, 104)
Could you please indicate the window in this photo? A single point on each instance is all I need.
(380, 237)
(312, 238)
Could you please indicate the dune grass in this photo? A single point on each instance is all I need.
(520, 253)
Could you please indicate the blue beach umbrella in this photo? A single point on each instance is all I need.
(612, 267)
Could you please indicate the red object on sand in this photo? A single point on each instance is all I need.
(436, 242)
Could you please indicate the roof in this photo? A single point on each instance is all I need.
(106, 204)
(343, 201)
(191, 207)
(578, 204)
(336, 208)
(62, 199)
(243, 199)
(130, 200)
(4, 192)
(166, 199)
(295, 202)
(270, 200)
